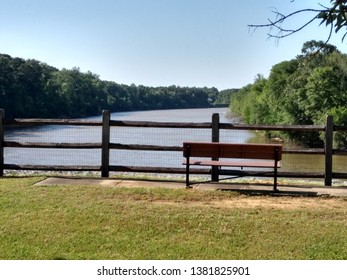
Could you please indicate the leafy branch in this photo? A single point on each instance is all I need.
(335, 17)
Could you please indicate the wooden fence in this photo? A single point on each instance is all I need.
(105, 146)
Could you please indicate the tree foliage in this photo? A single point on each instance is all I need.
(300, 91)
(29, 88)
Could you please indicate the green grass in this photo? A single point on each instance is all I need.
(93, 222)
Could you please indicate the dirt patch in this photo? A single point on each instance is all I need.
(283, 203)
(267, 203)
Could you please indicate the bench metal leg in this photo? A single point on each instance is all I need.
(187, 170)
(275, 177)
(275, 184)
(187, 166)
(187, 175)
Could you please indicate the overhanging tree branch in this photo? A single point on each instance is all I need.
(334, 17)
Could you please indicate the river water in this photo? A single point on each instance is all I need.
(145, 136)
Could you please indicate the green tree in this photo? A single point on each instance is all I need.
(7, 85)
(325, 90)
(301, 91)
(22, 86)
(29, 88)
(223, 97)
(249, 102)
(340, 118)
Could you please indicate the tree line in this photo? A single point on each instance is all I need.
(300, 91)
(30, 88)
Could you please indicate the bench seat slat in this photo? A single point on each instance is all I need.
(235, 163)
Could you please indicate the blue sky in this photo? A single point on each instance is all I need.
(154, 42)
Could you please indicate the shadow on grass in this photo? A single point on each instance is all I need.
(276, 193)
(267, 190)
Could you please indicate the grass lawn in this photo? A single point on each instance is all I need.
(98, 222)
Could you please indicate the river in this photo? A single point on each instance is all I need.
(150, 136)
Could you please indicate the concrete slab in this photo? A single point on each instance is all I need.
(63, 181)
(260, 189)
(60, 181)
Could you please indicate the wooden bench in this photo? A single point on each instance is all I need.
(232, 155)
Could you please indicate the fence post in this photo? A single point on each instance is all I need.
(105, 147)
(329, 131)
(2, 139)
(215, 138)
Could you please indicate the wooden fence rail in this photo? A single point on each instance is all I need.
(105, 146)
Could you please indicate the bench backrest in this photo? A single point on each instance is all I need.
(226, 150)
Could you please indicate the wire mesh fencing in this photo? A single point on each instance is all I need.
(78, 145)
